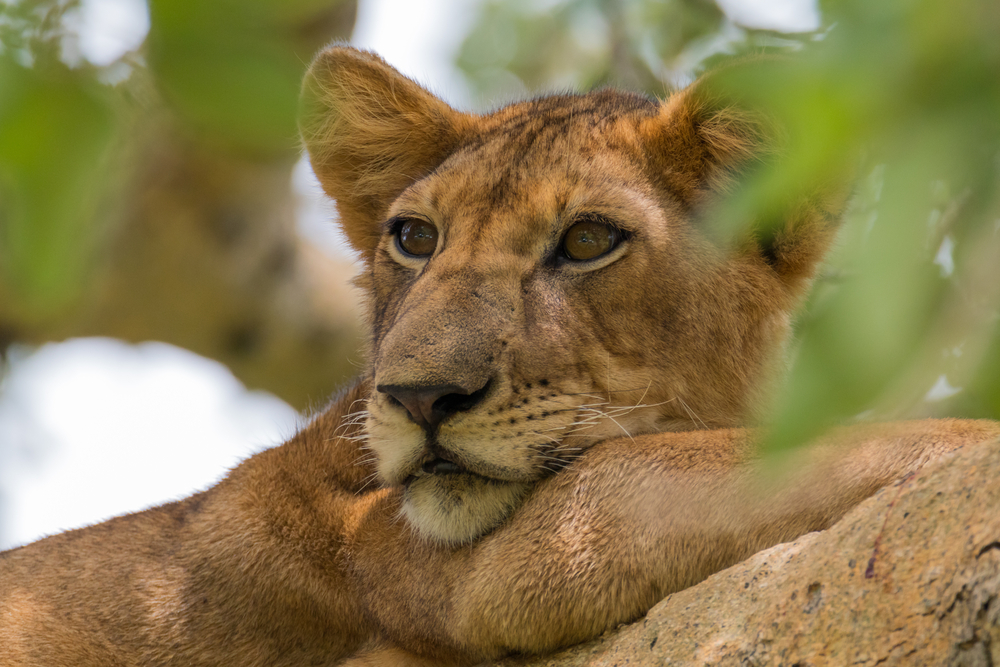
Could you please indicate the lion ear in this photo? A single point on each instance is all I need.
(703, 142)
(370, 133)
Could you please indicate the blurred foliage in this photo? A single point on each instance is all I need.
(57, 125)
(234, 67)
(227, 73)
(915, 88)
(56, 131)
(903, 93)
(520, 46)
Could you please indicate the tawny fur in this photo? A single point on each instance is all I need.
(298, 557)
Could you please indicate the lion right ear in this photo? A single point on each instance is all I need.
(370, 133)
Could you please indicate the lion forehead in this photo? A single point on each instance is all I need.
(551, 132)
(515, 187)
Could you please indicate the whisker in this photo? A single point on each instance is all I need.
(542, 435)
(584, 423)
(645, 391)
(691, 413)
(624, 430)
(600, 400)
(609, 377)
(366, 482)
(613, 391)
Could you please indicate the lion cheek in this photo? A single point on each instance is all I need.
(457, 509)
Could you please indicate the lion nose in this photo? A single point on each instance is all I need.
(429, 406)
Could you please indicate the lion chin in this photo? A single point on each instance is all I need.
(457, 508)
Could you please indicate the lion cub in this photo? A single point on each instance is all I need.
(538, 285)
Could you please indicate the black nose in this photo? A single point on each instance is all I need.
(429, 406)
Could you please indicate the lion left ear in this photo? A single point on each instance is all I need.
(704, 140)
(370, 133)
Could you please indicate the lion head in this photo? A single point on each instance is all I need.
(539, 278)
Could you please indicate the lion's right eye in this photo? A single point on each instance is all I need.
(417, 238)
(589, 239)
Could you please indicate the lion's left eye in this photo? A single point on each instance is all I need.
(416, 237)
(589, 239)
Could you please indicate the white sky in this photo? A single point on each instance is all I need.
(783, 15)
(93, 428)
(420, 39)
(102, 31)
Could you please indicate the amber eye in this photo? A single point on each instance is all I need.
(417, 237)
(589, 239)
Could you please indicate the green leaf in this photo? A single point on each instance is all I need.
(57, 127)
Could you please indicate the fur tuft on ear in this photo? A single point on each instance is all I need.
(370, 133)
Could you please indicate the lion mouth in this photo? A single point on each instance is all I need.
(451, 468)
(442, 466)
(437, 466)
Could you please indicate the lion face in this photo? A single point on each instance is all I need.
(538, 280)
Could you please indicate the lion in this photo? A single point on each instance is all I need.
(549, 434)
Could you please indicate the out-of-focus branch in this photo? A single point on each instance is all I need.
(196, 244)
(210, 261)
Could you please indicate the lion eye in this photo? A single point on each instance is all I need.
(589, 239)
(417, 237)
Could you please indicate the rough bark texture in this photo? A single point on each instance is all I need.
(910, 577)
